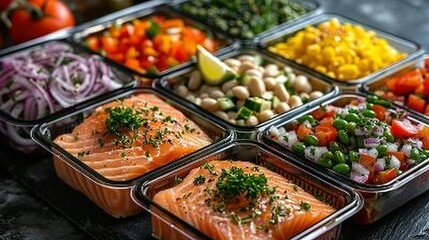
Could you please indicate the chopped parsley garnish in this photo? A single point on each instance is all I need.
(187, 195)
(82, 153)
(209, 167)
(177, 180)
(200, 179)
(305, 206)
(121, 118)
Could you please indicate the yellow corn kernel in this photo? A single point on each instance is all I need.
(313, 50)
(348, 71)
(321, 69)
(328, 53)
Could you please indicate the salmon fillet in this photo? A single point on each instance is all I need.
(205, 199)
(165, 135)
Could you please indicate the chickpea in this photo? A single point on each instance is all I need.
(254, 73)
(204, 95)
(209, 104)
(190, 98)
(244, 58)
(229, 85)
(291, 78)
(231, 114)
(240, 92)
(256, 87)
(281, 92)
(271, 72)
(271, 67)
(315, 94)
(232, 121)
(301, 84)
(282, 107)
(252, 121)
(246, 66)
(265, 115)
(304, 95)
(295, 101)
(182, 91)
(195, 80)
(269, 82)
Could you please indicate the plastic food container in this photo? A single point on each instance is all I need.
(379, 198)
(408, 95)
(241, 24)
(165, 50)
(113, 196)
(174, 84)
(413, 50)
(345, 201)
(29, 96)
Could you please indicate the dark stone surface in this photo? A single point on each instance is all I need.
(34, 204)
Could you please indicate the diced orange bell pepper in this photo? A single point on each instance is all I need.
(385, 176)
(416, 103)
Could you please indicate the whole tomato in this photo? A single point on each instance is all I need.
(37, 18)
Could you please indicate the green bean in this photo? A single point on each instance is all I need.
(353, 156)
(415, 154)
(340, 123)
(341, 168)
(326, 160)
(352, 117)
(382, 149)
(339, 157)
(298, 148)
(343, 137)
(350, 127)
(368, 113)
(308, 118)
(333, 146)
(389, 137)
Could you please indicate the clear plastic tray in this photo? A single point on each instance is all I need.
(380, 83)
(379, 199)
(313, 6)
(413, 50)
(170, 83)
(111, 195)
(345, 201)
(15, 124)
(162, 10)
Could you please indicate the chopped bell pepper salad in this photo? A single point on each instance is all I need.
(409, 88)
(362, 140)
(151, 45)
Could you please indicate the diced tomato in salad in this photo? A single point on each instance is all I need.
(152, 44)
(363, 140)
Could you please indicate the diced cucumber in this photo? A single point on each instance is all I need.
(258, 60)
(268, 95)
(243, 114)
(225, 104)
(257, 104)
(275, 101)
(244, 79)
(282, 79)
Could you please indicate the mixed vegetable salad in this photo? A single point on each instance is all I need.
(362, 140)
(46, 79)
(408, 88)
(152, 44)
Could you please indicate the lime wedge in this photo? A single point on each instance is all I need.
(213, 70)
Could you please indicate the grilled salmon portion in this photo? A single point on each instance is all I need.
(124, 139)
(239, 200)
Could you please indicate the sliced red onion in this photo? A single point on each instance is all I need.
(371, 142)
(394, 162)
(380, 165)
(373, 152)
(358, 168)
(406, 149)
(378, 131)
(360, 132)
(290, 138)
(314, 153)
(357, 177)
(391, 147)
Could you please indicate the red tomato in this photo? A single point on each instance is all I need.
(416, 103)
(325, 134)
(327, 121)
(403, 129)
(303, 131)
(385, 176)
(54, 15)
(380, 111)
(322, 113)
(408, 82)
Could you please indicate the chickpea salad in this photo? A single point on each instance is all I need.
(257, 91)
(362, 140)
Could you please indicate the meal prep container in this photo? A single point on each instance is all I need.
(345, 201)
(170, 82)
(112, 196)
(413, 50)
(13, 124)
(225, 44)
(372, 86)
(379, 199)
(313, 7)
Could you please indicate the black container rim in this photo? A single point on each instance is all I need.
(353, 206)
(315, 8)
(7, 118)
(161, 83)
(37, 136)
(394, 184)
(414, 47)
(146, 11)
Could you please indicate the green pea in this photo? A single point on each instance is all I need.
(415, 154)
(340, 123)
(327, 155)
(339, 157)
(352, 140)
(343, 137)
(382, 149)
(298, 148)
(371, 98)
(368, 113)
(341, 168)
(369, 105)
(308, 118)
(333, 146)
(350, 127)
(325, 161)
(352, 117)
(383, 103)
(353, 156)
(389, 137)
(311, 140)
